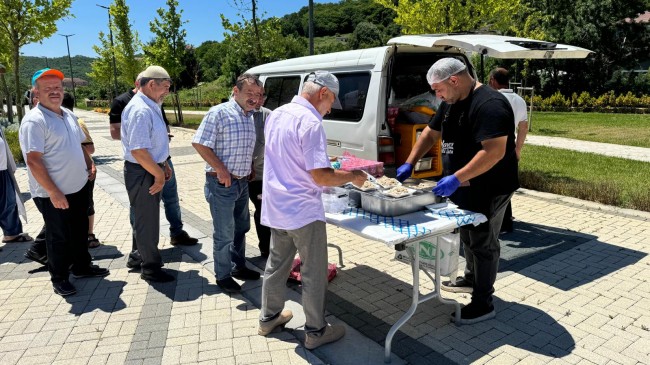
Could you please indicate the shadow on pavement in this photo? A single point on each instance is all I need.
(106, 159)
(588, 260)
(516, 324)
(96, 293)
(371, 300)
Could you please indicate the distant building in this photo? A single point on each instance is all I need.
(67, 82)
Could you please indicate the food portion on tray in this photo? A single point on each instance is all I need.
(398, 192)
(367, 186)
(388, 182)
(423, 185)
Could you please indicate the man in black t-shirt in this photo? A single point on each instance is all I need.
(480, 168)
(170, 190)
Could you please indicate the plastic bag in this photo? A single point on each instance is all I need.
(294, 274)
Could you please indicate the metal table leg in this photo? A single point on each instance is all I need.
(415, 268)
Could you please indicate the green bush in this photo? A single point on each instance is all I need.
(14, 145)
(608, 102)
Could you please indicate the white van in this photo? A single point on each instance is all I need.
(373, 83)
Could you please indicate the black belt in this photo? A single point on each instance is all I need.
(162, 164)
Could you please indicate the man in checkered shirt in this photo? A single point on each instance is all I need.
(225, 140)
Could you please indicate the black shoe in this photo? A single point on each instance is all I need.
(159, 276)
(228, 285)
(64, 288)
(245, 274)
(35, 256)
(92, 271)
(134, 261)
(183, 239)
(461, 285)
(474, 313)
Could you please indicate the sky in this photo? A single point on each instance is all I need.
(204, 22)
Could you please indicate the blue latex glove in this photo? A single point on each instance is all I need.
(404, 172)
(446, 186)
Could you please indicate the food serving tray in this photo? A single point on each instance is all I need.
(378, 203)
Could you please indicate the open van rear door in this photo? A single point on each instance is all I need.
(496, 46)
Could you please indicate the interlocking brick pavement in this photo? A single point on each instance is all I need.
(573, 289)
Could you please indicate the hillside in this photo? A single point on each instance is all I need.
(80, 66)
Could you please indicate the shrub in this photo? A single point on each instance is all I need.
(11, 134)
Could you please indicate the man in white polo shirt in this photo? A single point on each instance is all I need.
(58, 169)
(296, 167)
(500, 80)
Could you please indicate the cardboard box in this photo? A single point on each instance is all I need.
(449, 249)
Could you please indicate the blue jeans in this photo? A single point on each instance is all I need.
(171, 204)
(230, 221)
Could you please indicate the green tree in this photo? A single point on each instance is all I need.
(598, 25)
(102, 67)
(365, 35)
(29, 21)
(443, 16)
(127, 43)
(241, 52)
(168, 46)
(210, 55)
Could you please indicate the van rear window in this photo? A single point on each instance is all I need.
(280, 90)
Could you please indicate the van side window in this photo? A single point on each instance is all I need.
(353, 89)
(280, 90)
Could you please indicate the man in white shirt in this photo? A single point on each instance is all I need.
(500, 80)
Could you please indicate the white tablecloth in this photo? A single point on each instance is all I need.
(438, 219)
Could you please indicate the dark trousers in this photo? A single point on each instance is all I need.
(263, 232)
(481, 243)
(39, 242)
(146, 214)
(507, 224)
(66, 238)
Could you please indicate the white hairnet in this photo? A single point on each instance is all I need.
(443, 69)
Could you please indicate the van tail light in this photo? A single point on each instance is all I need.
(386, 150)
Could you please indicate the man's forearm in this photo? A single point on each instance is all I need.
(146, 161)
(207, 154)
(115, 131)
(492, 152)
(522, 132)
(331, 177)
(427, 139)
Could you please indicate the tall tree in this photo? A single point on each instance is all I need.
(29, 21)
(241, 51)
(601, 26)
(102, 66)
(127, 43)
(442, 16)
(168, 47)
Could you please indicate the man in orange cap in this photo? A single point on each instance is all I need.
(58, 169)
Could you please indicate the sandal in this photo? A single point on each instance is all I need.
(93, 242)
(23, 237)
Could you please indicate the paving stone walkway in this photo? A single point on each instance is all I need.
(573, 288)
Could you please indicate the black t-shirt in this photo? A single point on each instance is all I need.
(118, 105)
(483, 115)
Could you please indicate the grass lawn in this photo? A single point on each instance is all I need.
(624, 129)
(607, 180)
(189, 120)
